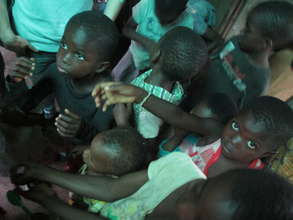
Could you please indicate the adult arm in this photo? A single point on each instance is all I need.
(97, 187)
(10, 40)
(113, 8)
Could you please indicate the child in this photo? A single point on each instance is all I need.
(166, 192)
(86, 48)
(150, 20)
(178, 57)
(274, 20)
(240, 69)
(253, 134)
(111, 154)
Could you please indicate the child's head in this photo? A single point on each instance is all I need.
(88, 43)
(257, 131)
(181, 54)
(272, 20)
(167, 11)
(116, 152)
(218, 106)
(241, 195)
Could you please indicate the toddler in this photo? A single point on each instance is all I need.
(178, 57)
(86, 49)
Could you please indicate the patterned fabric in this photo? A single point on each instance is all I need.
(203, 13)
(147, 123)
(165, 176)
(94, 205)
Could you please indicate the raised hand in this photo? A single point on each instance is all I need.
(109, 93)
(68, 124)
(23, 68)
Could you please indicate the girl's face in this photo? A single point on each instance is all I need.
(244, 139)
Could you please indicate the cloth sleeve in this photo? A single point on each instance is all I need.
(140, 11)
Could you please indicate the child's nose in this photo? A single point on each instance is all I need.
(67, 58)
(236, 139)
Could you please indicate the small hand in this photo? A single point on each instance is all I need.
(68, 124)
(18, 44)
(23, 68)
(115, 92)
(37, 193)
(24, 173)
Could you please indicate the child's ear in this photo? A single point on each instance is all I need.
(155, 56)
(103, 66)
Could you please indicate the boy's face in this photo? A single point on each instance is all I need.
(97, 157)
(211, 200)
(78, 55)
(244, 139)
(169, 17)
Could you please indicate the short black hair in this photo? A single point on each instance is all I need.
(274, 20)
(222, 105)
(99, 29)
(183, 53)
(275, 115)
(129, 149)
(170, 6)
(259, 194)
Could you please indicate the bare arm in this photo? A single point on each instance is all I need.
(113, 8)
(130, 31)
(67, 212)
(10, 40)
(97, 187)
(122, 93)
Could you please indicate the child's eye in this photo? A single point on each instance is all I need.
(63, 45)
(251, 145)
(235, 126)
(80, 57)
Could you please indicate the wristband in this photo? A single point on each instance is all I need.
(145, 99)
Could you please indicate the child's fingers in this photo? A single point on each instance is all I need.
(64, 132)
(65, 126)
(72, 115)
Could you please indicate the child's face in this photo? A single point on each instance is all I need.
(77, 55)
(167, 18)
(244, 139)
(207, 200)
(97, 157)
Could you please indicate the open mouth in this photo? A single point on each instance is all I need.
(60, 69)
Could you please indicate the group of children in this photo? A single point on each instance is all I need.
(208, 163)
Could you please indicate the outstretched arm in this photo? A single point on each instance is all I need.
(122, 93)
(97, 187)
(44, 196)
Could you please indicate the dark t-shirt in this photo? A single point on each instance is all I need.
(235, 75)
(93, 120)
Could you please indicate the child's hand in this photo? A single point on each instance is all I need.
(37, 193)
(24, 173)
(68, 124)
(23, 68)
(115, 92)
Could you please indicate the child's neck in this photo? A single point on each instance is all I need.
(86, 84)
(157, 78)
(224, 164)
